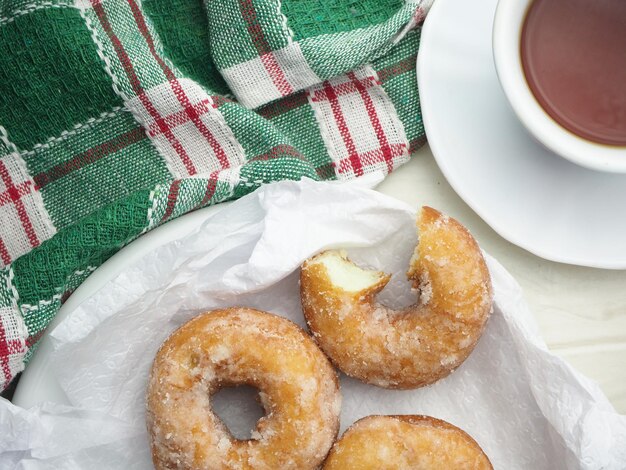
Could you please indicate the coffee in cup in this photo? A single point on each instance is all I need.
(574, 59)
(562, 66)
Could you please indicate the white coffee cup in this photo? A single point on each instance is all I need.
(507, 33)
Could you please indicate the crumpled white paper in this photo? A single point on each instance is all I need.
(527, 408)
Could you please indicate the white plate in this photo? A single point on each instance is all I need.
(105, 347)
(532, 197)
(38, 384)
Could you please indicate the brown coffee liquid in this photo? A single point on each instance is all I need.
(574, 58)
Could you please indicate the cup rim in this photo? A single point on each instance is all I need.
(506, 35)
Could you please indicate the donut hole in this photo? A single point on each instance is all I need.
(239, 407)
(399, 294)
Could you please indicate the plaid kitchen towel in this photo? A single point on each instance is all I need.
(119, 115)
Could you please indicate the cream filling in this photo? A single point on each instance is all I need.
(346, 275)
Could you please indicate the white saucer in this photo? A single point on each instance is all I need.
(532, 197)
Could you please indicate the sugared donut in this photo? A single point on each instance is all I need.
(298, 390)
(405, 443)
(411, 347)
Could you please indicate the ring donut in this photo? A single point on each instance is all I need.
(405, 442)
(409, 348)
(298, 389)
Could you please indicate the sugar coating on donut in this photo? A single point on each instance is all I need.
(414, 346)
(298, 390)
(406, 443)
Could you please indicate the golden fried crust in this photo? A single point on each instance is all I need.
(299, 391)
(405, 443)
(415, 346)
